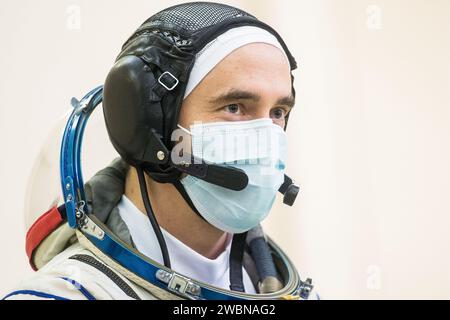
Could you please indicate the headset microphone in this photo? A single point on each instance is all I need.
(225, 176)
(290, 190)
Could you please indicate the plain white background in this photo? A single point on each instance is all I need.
(369, 136)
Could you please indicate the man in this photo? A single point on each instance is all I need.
(191, 77)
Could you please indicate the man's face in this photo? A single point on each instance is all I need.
(250, 83)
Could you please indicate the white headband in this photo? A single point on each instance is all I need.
(223, 45)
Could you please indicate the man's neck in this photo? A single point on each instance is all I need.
(176, 217)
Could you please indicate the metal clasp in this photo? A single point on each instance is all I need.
(87, 225)
(170, 75)
(178, 283)
(92, 229)
(305, 288)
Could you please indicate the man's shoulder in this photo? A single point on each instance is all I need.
(66, 277)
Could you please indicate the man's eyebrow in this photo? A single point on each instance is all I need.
(288, 101)
(237, 94)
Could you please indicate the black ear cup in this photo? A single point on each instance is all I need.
(130, 115)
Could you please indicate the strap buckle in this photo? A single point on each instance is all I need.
(305, 288)
(179, 284)
(173, 81)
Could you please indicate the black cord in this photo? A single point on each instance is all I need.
(236, 258)
(151, 216)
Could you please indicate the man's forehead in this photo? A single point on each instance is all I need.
(246, 48)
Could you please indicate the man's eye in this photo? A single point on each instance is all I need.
(278, 113)
(232, 108)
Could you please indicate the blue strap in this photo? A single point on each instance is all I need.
(80, 288)
(35, 293)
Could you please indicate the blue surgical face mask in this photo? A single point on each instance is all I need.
(258, 147)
